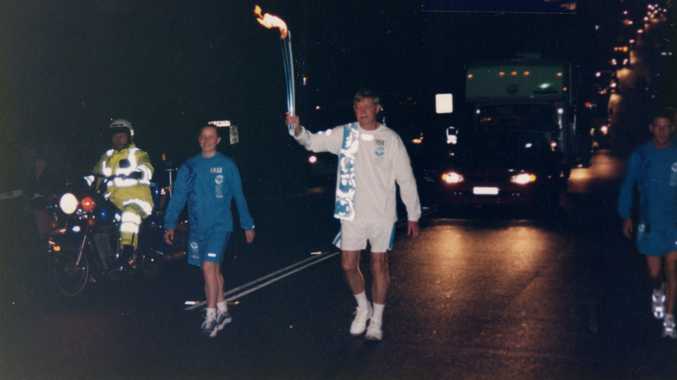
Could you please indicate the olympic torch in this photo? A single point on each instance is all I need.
(274, 22)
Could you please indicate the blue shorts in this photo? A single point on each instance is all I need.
(208, 246)
(657, 241)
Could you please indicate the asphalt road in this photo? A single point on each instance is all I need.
(481, 294)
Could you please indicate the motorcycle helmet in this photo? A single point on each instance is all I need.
(122, 125)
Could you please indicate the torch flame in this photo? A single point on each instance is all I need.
(269, 21)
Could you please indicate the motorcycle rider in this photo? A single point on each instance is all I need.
(129, 191)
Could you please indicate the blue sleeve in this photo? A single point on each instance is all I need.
(235, 183)
(179, 197)
(626, 195)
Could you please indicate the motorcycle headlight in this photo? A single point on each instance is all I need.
(523, 179)
(68, 203)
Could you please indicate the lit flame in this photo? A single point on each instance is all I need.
(269, 21)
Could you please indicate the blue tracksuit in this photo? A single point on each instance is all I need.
(654, 172)
(208, 185)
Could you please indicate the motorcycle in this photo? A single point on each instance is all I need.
(83, 241)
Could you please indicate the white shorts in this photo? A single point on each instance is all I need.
(355, 235)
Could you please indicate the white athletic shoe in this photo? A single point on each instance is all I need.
(658, 303)
(209, 327)
(359, 324)
(669, 327)
(374, 331)
(222, 319)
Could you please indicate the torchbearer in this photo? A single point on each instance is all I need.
(372, 161)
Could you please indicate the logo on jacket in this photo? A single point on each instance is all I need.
(218, 179)
(380, 147)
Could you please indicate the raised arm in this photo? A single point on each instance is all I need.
(325, 141)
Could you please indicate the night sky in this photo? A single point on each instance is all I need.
(68, 67)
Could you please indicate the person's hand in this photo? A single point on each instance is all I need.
(412, 229)
(628, 228)
(169, 236)
(295, 122)
(249, 236)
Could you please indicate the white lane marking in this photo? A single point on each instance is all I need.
(281, 273)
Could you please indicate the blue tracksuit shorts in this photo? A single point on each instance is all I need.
(207, 246)
(656, 241)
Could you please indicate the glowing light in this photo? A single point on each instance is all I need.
(270, 21)
(452, 178)
(523, 179)
(312, 159)
(68, 203)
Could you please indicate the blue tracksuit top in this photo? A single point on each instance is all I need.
(654, 172)
(208, 184)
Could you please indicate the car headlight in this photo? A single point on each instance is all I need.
(68, 203)
(452, 178)
(523, 178)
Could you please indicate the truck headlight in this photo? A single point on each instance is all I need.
(452, 178)
(523, 179)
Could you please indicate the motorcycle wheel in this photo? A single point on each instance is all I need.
(70, 280)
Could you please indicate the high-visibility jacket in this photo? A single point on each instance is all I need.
(128, 191)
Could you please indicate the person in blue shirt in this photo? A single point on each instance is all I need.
(208, 182)
(652, 170)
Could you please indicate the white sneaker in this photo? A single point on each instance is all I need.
(375, 331)
(222, 319)
(359, 324)
(669, 327)
(658, 303)
(209, 327)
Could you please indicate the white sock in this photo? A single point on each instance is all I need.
(211, 313)
(362, 301)
(378, 312)
(222, 306)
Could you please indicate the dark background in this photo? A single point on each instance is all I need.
(67, 68)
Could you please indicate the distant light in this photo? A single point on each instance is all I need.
(604, 129)
(501, 74)
(312, 159)
(528, 145)
(514, 73)
(544, 86)
(598, 74)
(527, 73)
(452, 178)
(76, 229)
(559, 74)
(219, 123)
(417, 140)
(560, 111)
(317, 108)
(471, 76)
(596, 27)
(478, 111)
(444, 103)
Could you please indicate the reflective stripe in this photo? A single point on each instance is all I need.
(129, 228)
(130, 217)
(147, 173)
(211, 254)
(133, 164)
(125, 182)
(146, 207)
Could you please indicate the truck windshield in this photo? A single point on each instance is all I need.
(522, 117)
